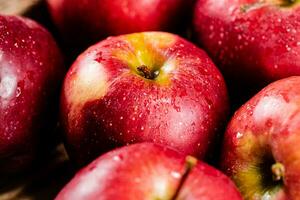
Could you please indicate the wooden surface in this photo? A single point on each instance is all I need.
(17, 7)
(43, 181)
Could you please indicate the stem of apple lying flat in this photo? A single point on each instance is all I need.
(278, 171)
(285, 3)
(190, 163)
(147, 73)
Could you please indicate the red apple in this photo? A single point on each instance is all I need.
(261, 149)
(88, 21)
(30, 73)
(148, 171)
(150, 86)
(254, 42)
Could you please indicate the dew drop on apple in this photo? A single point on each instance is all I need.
(18, 92)
(269, 123)
(117, 158)
(175, 174)
(239, 135)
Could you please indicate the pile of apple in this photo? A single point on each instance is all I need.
(142, 106)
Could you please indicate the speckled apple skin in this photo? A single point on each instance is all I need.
(147, 171)
(95, 19)
(253, 42)
(31, 71)
(105, 103)
(267, 125)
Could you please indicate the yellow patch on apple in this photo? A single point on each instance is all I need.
(88, 84)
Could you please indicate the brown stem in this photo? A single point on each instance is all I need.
(147, 73)
(284, 2)
(190, 163)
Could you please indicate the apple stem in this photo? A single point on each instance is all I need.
(278, 171)
(286, 2)
(190, 163)
(147, 73)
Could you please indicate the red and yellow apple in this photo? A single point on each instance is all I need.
(261, 148)
(31, 71)
(254, 42)
(150, 86)
(148, 171)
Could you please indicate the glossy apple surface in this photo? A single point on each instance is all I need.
(254, 42)
(31, 71)
(261, 148)
(149, 86)
(83, 21)
(148, 171)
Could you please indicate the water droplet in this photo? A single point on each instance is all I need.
(239, 135)
(116, 158)
(18, 92)
(175, 174)
(269, 123)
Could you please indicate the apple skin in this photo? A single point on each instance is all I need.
(148, 171)
(253, 42)
(265, 131)
(31, 71)
(107, 102)
(96, 19)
